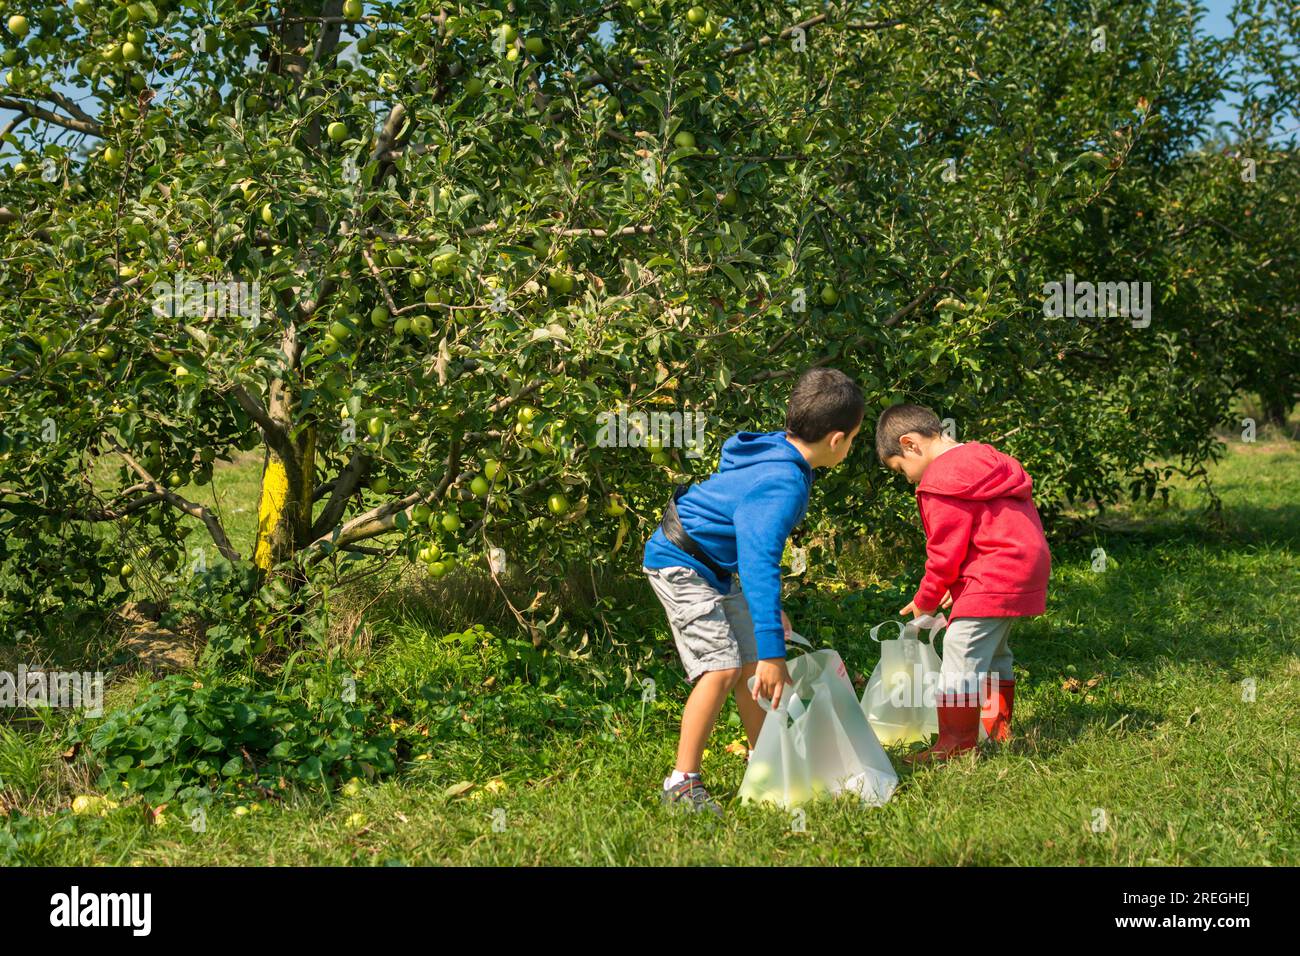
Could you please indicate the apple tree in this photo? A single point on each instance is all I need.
(418, 254)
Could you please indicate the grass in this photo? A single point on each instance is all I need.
(1168, 745)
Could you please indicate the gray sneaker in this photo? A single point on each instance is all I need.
(690, 795)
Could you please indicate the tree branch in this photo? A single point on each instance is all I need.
(209, 520)
(87, 126)
(343, 488)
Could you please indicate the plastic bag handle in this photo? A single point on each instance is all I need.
(940, 623)
(876, 630)
(800, 639)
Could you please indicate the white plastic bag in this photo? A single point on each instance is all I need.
(818, 741)
(899, 700)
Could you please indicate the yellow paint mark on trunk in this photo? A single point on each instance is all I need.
(275, 491)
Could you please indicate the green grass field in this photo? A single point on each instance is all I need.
(1186, 765)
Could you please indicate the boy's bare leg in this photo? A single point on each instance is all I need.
(751, 715)
(700, 714)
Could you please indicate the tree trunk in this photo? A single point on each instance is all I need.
(284, 512)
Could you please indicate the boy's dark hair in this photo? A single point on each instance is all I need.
(896, 421)
(824, 400)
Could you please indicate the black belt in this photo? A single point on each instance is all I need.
(674, 532)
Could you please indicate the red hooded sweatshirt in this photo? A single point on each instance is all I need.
(983, 537)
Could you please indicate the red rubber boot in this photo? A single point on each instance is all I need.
(959, 729)
(997, 721)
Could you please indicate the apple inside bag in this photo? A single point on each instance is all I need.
(817, 742)
(899, 696)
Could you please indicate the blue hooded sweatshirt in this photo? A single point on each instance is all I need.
(741, 516)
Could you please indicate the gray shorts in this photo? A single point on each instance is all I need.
(713, 631)
(972, 648)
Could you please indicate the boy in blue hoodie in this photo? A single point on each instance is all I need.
(734, 526)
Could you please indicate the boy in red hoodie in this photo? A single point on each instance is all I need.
(986, 556)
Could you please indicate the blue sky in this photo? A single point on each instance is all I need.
(1216, 24)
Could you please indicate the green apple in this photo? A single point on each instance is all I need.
(379, 316)
(130, 52)
(614, 507)
(685, 139)
(418, 279)
(420, 514)
(696, 16)
(18, 25)
(137, 36)
(112, 156)
(729, 199)
(329, 345)
(126, 570)
(560, 282)
(709, 30)
(558, 504)
(473, 86)
(340, 331)
(450, 522)
(438, 568)
(435, 297)
(402, 326)
(660, 458)
(337, 131)
(106, 353)
(492, 469)
(535, 46)
(379, 485)
(479, 486)
(268, 214)
(201, 249)
(506, 31)
(829, 295)
(180, 372)
(375, 427)
(352, 9)
(422, 325)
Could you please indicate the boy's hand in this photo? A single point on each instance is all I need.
(913, 610)
(770, 678)
(917, 612)
(785, 624)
